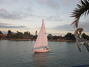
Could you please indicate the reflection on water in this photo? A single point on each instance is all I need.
(40, 59)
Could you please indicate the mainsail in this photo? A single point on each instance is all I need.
(41, 41)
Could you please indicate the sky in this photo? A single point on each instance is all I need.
(27, 15)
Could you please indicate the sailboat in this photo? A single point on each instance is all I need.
(41, 44)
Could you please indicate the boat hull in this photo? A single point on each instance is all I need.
(40, 50)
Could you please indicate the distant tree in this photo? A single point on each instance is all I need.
(1, 35)
(1, 32)
(50, 36)
(19, 34)
(36, 33)
(55, 37)
(27, 33)
(35, 36)
(9, 34)
(69, 36)
(85, 36)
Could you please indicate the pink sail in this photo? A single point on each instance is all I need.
(42, 41)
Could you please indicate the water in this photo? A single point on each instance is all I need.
(63, 54)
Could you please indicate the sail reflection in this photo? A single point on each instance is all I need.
(40, 59)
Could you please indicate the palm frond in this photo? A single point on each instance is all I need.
(82, 9)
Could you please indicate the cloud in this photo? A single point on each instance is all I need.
(84, 25)
(24, 8)
(5, 25)
(54, 18)
(69, 27)
(68, 2)
(4, 14)
(66, 27)
(50, 3)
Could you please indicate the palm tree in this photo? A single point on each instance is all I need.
(82, 9)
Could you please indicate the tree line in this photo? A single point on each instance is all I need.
(28, 36)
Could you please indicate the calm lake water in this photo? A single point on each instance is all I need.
(63, 54)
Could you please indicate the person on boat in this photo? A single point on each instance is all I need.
(46, 48)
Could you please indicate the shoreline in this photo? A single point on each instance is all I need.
(35, 40)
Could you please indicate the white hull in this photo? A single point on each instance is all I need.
(40, 50)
